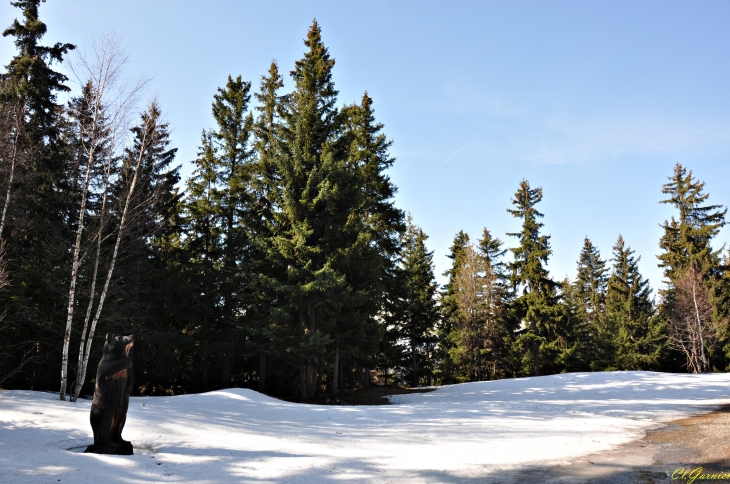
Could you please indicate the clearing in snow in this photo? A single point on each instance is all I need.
(485, 431)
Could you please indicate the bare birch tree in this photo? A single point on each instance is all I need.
(690, 319)
(107, 100)
(13, 129)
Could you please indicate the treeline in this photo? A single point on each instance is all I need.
(282, 263)
(508, 318)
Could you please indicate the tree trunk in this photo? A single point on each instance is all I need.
(536, 358)
(262, 373)
(205, 371)
(226, 368)
(414, 366)
(303, 377)
(17, 117)
(341, 377)
(699, 325)
(76, 261)
(81, 377)
(335, 370)
(115, 253)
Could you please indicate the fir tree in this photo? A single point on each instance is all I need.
(316, 195)
(688, 253)
(498, 297)
(588, 294)
(447, 336)
(235, 165)
(203, 249)
(34, 223)
(687, 239)
(537, 301)
(418, 310)
(638, 335)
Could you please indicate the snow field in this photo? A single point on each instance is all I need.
(455, 434)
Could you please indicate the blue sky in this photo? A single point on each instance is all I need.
(593, 101)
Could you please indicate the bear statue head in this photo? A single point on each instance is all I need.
(118, 346)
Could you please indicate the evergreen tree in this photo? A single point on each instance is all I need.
(30, 79)
(35, 221)
(203, 250)
(638, 335)
(317, 194)
(235, 165)
(498, 297)
(588, 293)
(447, 336)
(267, 306)
(418, 312)
(537, 300)
(152, 223)
(687, 239)
(687, 249)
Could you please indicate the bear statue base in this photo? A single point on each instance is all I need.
(113, 448)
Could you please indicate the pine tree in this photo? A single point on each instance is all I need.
(29, 76)
(447, 336)
(497, 296)
(688, 254)
(153, 220)
(417, 310)
(687, 239)
(235, 165)
(638, 335)
(589, 294)
(38, 202)
(537, 300)
(267, 327)
(317, 193)
(203, 249)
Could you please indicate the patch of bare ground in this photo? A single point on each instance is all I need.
(364, 396)
(698, 445)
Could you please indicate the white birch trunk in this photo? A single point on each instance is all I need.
(76, 261)
(110, 272)
(13, 158)
(81, 377)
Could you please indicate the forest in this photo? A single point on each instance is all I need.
(283, 264)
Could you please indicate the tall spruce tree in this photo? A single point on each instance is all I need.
(316, 196)
(203, 252)
(687, 252)
(446, 370)
(236, 166)
(500, 324)
(687, 239)
(537, 301)
(35, 221)
(268, 307)
(639, 338)
(589, 293)
(418, 312)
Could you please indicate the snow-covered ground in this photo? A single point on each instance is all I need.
(454, 434)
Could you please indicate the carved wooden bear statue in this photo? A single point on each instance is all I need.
(111, 397)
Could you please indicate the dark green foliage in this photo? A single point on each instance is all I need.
(446, 370)
(638, 336)
(414, 314)
(283, 263)
(585, 301)
(687, 239)
(687, 247)
(537, 299)
(36, 229)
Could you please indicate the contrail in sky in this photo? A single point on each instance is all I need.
(462, 147)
